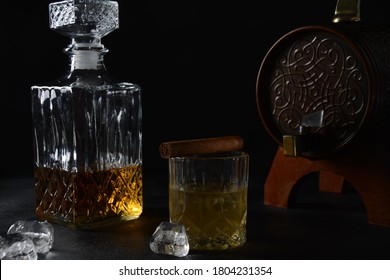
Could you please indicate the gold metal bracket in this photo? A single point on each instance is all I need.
(290, 146)
(347, 10)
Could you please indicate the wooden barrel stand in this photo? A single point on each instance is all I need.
(368, 172)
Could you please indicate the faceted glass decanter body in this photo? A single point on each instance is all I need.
(87, 129)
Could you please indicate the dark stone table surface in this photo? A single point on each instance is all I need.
(317, 226)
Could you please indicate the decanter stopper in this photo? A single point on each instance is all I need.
(84, 18)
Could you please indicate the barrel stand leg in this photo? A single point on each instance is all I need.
(368, 175)
(286, 171)
(368, 171)
(330, 182)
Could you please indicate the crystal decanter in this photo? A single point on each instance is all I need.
(87, 132)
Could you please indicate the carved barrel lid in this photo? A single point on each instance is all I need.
(316, 69)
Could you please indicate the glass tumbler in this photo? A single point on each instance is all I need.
(208, 195)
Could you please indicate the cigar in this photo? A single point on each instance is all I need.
(200, 146)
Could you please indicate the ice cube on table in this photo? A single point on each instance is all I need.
(41, 233)
(17, 246)
(170, 239)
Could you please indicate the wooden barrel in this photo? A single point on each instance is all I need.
(341, 70)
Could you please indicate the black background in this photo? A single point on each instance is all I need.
(197, 64)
